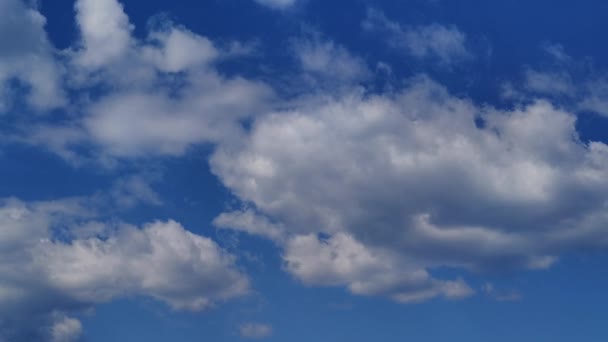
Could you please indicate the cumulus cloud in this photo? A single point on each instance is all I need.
(398, 184)
(158, 96)
(444, 44)
(341, 260)
(370, 192)
(28, 59)
(56, 265)
(255, 330)
(200, 106)
(105, 32)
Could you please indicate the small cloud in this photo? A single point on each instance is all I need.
(501, 295)
(255, 330)
(66, 329)
(277, 4)
(557, 52)
(133, 190)
(550, 83)
(445, 44)
(326, 60)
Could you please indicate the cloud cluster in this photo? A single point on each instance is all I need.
(59, 261)
(369, 191)
(144, 98)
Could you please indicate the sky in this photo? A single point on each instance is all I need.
(303, 170)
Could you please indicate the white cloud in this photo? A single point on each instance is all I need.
(29, 58)
(178, 50)
(132, 190)
(550, 83)
(135, 124)
(277, 4)
(342, 261)
(330, 62)
(66, 329)
(410, 178)
(105, 32)
(446, 45)
(500, 295)
(52, 267)
(159, 96)
(557, 52)
(366, 191)
(255, 330)
(250, 222)
(595, 96)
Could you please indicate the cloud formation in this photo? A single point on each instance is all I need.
(155, 97)
(59, 261)
(372, 192)
(405, 182)
(444, 44)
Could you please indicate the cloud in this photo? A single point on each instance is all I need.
(56, 265)
(129, 191)
(499, 295)
(557, 52)
(249, 222)
(373, 192)
(578, 84)
(255, 330)
(595, 97)
(549, 83)
(29, 59)
(179, 49)
(66, 330)
(105, 32)
(329, 62)
(446, 45)
(277, 4)
(342, 261)
(367, 191)
(137, 98)
(207, 111)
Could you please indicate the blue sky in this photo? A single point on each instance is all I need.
(297, 170)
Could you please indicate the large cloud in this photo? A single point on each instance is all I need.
(139, 98)
(57, 261)
(404, 182)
